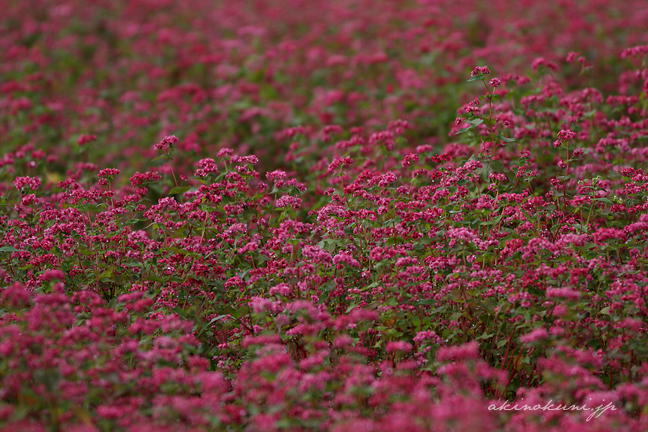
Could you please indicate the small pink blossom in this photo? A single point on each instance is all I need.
(167, 142)
(535, 335)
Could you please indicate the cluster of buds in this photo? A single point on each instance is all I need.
(637, 51)
(167, 142)
(86, 138)
(480, 70)
(107, 175)
(32, 182)
(140, 179)
(339, 162)
(206, 166)
(574, 56)
(564, 136)
(407, 161)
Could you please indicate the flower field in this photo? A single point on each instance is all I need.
(308, 215)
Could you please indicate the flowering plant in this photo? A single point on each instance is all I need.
(334, 230)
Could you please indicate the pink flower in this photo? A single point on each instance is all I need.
(15, 295)
(289, 201)
(345, 258)
(342, 341)
(480, 70)
(108, 172)
(398, 346)
(49, 275)
(635, 51)
(428, 335)
(139, 179)
(566, 135)
(535, 335)
(469, 351)
(225, 153)
(167, 142)
(407, 161)
(572, 56)
(32, 182)
(565, 293)
(206, 166)
(28, 200)
(541, 61)
(86, 138)
(473, 165)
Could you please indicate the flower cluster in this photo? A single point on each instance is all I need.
(32, 182)
(141, 179)
(167, 143)
(350, 236)
(480, 70)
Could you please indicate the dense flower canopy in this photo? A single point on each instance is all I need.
(323, 215)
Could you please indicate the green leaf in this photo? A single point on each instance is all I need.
(418, 247)
(504, 308)
(178, 250)
(536, 291)
(507, 140)
(162, 157)
(492, 221)
(580, 227)
(10, 249)
(497, 166)
(476, 78)
(179, 190)
(455, 316)
(416, 321)
(106, 273)
(294, 190)
(213, 320)
(50, 378)
(427, 302)
(155, 279)
(463, 130)
(394, 333)
(605, 200)
(401, 141)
